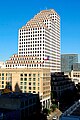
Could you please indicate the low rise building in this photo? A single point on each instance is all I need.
(19, 106)
(28, 80)
(60, 83)
(75, 76)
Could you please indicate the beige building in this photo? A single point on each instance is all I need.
(75, 76)
(28, 80)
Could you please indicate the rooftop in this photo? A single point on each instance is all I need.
(17, 95)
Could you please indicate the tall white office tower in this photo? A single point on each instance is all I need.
(40, 39)
(39, 43)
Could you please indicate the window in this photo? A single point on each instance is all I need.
(29, 75)
(2, 78)
(21, 83)
(25, 79)
(30, 101)
(29, 83)
(2, 74)
(24, 87)
(34, 75)
(21, 87)
(25, 83)
(38, 84)
(21, 79)
(26, 103)
(34, 91)
(29, 88)
(29, 79)
(21, 74)
(2, 82)
(34, 79)
(34, 100)
(2, 86)
(22, 104)
(34, 88)
(34, 83)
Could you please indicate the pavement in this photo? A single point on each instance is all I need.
(56, 113)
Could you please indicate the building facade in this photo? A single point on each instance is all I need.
(60, 83)
(39, 39)
(28, 80)
(67, 61)
(76, 66)
(75, 76)
(19, 106)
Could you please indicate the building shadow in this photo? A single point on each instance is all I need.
(17, 89)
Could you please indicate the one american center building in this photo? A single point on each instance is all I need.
(38, 56)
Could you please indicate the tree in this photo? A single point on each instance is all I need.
(53, 107)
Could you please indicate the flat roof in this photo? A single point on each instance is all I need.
(17, 95)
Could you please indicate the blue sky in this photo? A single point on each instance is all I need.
(15, 13)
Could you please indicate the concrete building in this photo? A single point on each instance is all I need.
(39, 39)
(19, 106)
(75, 76)
(28, 80)
(59, 84)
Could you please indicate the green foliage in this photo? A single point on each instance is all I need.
(53, 107)
(46, 111)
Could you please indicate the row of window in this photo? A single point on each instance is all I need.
(7, 78)
(7, 74)
(29, 54)
(34, 45)
(31, 32)
(1, 74)
(30, 29)
(31, 51)
(21, 36)
(28, 102)
(34, 75)
(25, 58)
(30, 83)
(25, 79)
(28, 42)
(25, 65)
(29, 88)
(76, 75)
(27, 61)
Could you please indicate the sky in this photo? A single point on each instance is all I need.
(16, 13)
